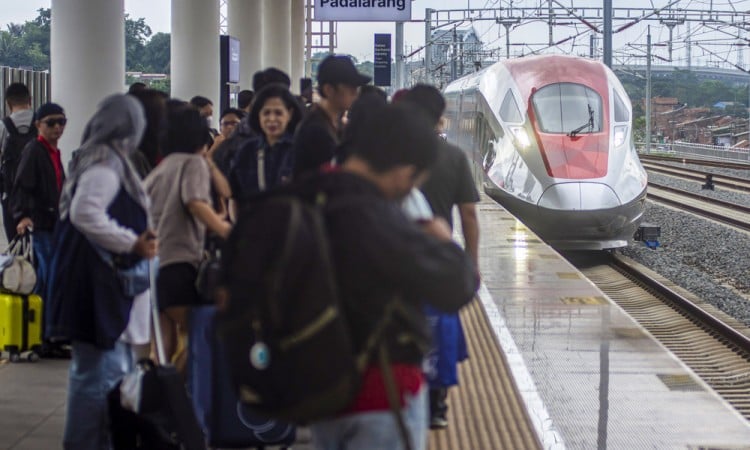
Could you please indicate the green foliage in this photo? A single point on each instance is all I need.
(684, 86)
(367, 68)
(136, 36)
(156, 54)
(162, 85)
(27, 45)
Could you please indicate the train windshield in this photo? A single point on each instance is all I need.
(568, 108)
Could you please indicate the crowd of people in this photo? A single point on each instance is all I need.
(152, 180)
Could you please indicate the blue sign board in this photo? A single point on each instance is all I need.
(382, 60)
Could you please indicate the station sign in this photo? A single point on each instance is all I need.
(363, 10)
(382, 60)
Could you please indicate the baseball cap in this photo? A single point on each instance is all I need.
(339, 69)
(49, 109)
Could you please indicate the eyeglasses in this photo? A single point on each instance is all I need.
(52, 122)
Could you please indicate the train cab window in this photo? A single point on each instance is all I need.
(509, 111)
(621, 111)
(568, 108)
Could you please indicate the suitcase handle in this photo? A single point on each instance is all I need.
(152, 273)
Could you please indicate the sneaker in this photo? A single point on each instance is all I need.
(437, 422)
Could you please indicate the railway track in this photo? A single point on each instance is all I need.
(726, 212)
(715, 346)
(702, 162)
(726, 181)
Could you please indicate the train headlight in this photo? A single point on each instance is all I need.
(621, 133)
(522, 138)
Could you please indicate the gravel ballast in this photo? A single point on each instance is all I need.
(709, 259)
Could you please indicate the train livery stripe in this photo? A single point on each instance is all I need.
(584, 156)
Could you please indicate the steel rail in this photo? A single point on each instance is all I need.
(697, 161)
(738, 183)
(714, 345)
(718, 216)
(727, 331)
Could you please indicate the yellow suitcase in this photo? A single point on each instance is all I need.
(20, 326)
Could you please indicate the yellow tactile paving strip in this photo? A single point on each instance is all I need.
(486, 412)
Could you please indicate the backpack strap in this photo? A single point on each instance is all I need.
(392, 394)
(13, 129)
(10, 126)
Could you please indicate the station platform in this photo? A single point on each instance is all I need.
(588, 374)
(553, 364)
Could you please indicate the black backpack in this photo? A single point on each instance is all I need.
(287, 342)
(11, 153)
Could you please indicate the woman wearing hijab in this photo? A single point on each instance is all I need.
(103, 229)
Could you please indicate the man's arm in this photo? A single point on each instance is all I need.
(470, 229)
(427, 264)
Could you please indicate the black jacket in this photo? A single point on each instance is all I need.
(35, 192)
(315, 142)
(243, 168)
(379, 254)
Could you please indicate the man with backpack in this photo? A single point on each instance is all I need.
(16, 130)
(335, 296)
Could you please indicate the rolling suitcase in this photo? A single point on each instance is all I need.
(20, 326)
(226, 421)
(150, 409)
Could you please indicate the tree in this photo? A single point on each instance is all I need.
(156, 54)
(27, 45)
(136, 36)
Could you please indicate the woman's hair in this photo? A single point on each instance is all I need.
(155, 105)
(187, 131)
(275, 90)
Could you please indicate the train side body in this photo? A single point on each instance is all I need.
(550, 139)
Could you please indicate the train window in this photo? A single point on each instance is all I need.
(509, 109)
(568, 108)
(621, 111)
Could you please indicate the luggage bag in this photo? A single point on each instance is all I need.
(150, 409)
(20, 326)
(226, 421)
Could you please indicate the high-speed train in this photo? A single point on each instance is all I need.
(550, 140)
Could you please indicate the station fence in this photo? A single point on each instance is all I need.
(687, 149)
(37, 82)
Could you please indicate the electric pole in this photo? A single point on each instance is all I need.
(648, 91)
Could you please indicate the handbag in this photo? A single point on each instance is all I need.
(209, 271)
(18, 275)
(134, 278)
(150, 408)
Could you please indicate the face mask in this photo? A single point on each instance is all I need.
(209, 121)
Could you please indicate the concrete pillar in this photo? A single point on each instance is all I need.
(277, 34)
(88, 60)
(195, 49)
(245, 22)
(298, 43)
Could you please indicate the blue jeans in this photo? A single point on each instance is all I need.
(375, 430)
(93, 373)
(42, 258)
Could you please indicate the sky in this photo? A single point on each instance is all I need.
(356, 38)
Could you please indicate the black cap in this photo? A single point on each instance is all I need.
(49, 109)
(335, 69)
